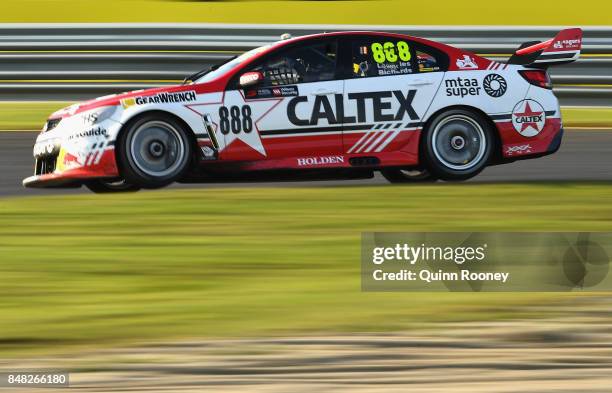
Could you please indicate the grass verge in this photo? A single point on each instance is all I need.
(27, 116)
(91, 270)
(476, 12)
(32, 115)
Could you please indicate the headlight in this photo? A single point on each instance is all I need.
(98, 115)
(51, 124)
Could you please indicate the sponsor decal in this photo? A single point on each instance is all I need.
(310, 161)
(361, 69)
(250, 78)
(518, 149)
(495, 85)
(466, 63)
(528, 118)
(128, 102)
(67, 161)
(380, 101)
(422, 68)
(461, 87)
(426, 62)
(97, 131)
(567, 44)
(272, 92)
(46, 148)
(160, 98)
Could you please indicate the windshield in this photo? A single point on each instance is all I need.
(231, 64)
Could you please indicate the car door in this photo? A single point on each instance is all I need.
(389, 89)
(292, 108)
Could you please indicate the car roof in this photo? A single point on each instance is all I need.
(358, 33)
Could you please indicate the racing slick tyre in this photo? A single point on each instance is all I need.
(153, 151)
(408, 175)
(110, 186)
(457, 145)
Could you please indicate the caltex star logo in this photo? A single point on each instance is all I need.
(236, 118)
(528, 118)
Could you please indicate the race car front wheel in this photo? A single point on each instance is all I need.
(457, 145)
(153, 151)
(408, 175)
(110, 186)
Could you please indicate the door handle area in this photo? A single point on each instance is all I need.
(324, 92)
(420, 82)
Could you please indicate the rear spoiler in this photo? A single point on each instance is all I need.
(564, 48)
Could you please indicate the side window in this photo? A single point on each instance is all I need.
(302, 64)
(381, 56)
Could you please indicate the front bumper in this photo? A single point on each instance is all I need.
(71, 154)
(75, 176)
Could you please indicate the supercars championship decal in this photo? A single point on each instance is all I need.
(160, 98)
(528, 118)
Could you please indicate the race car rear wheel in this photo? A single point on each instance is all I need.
(153, 151)
(457, 145)
(110, 186)
(408, 175)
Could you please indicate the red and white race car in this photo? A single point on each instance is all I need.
(341, 105)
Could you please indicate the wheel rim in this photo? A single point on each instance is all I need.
(459, 142)
(157, 148)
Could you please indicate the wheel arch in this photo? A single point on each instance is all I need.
(497, 150)
(190, 132)
(160, 112)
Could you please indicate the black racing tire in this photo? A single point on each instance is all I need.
(100, 186)
(408, 175)
(457, 145)
(153, 151)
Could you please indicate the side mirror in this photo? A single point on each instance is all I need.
(251, 79)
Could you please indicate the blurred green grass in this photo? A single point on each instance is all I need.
(381, 12)
(27, 116)
(30, 116)
(89, 270)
